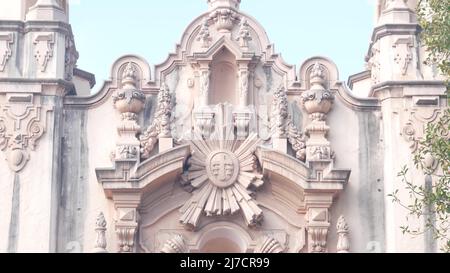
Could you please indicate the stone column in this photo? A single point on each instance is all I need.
(205, 80)
(203, 114)
(243, 75)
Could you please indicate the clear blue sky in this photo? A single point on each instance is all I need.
(105, 30)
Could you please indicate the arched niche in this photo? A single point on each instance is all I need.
(224, 238)
(223, 78)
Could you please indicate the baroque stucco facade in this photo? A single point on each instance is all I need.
(221, 148)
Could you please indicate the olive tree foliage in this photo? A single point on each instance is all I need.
(430, 202)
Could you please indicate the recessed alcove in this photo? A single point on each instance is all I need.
(223, 78)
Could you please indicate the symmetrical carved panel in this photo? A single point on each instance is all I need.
(43, 49)
(21, 126)
(403, 54)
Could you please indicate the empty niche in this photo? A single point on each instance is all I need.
(223, 78)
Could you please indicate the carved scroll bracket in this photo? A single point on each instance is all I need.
(127, 218)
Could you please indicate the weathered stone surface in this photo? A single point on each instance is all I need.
(271, 156)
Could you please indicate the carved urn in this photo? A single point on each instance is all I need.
(318, 101)
(129, 99)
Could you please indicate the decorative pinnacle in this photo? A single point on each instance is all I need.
(129, 76)
(214, 4)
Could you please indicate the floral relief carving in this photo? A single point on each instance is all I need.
(204, 35)
(279, 113)
(160, 126)
(244, 36)
(283, 124)
(6, 40)
(223, 175)
(416, 121)
(43, 49)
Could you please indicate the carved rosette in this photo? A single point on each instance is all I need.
(100, 229)
(223, 176)
(160, 127)
(175, 245)
(21, 126)
(343, 245)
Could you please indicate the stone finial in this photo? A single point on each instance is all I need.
(46, 10)
(317, 77)
(213, 4)
(318, 100)
(343, 245)
(100, 229)
(129, 76)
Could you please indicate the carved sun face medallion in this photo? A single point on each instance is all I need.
(222, 168)
(222, 175)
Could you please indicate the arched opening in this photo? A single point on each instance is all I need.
(220, 245)
(223, 239)
(224, 78)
